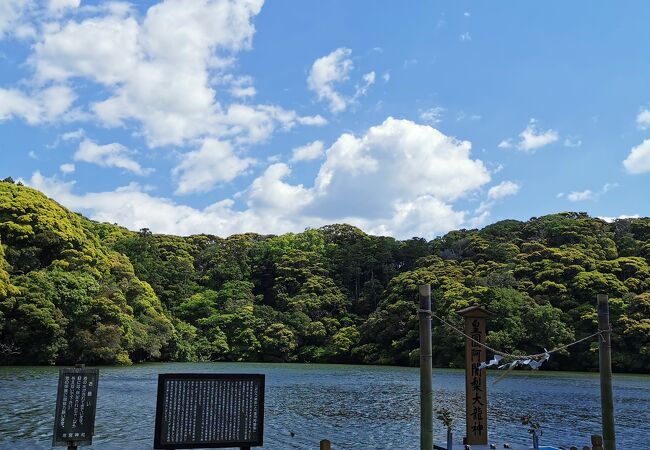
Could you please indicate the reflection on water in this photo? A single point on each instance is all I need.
(356, 407)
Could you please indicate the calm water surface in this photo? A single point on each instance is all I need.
(356, 407)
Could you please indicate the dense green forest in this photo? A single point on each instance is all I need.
(74, 290)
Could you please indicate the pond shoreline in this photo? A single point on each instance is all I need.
(322, 364)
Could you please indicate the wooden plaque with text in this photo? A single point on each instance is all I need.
(475, 378)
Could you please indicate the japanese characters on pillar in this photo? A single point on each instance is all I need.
(76, 402)
(475, 378)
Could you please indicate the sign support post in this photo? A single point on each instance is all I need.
(605, 369)
(426, 382)
(475, 378)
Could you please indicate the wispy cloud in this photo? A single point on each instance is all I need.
(588, 194)
(433, 115)
(572, 142)
(67, 168)
(643, 119)
(109, 155)
(531, 138)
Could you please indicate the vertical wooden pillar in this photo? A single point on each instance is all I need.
(426, 382)
(325, 445)
(475, 378)
(605, 368)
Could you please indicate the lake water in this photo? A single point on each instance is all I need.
(356, 407)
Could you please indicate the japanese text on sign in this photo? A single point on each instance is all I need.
(210, 410)
(74, 419)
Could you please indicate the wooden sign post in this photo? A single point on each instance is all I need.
(426, 380)
(605, 365)
(475, 380)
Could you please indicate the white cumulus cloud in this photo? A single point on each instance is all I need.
(11, 15)
(399, 178)
(215, 162)
(269, 193)
(109, 155)
(610, 219)
(57, 6)
(326, 73)
(160, 70)
(503, 189)
(307, 152)
(380, 177)
(254, 124)
(578, 196)
(41, 106)
(131, 206)
(638, 161)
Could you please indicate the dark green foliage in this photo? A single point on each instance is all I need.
(68, 298)
(72, 290)
(165, 262)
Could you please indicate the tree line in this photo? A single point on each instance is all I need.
(74, 290)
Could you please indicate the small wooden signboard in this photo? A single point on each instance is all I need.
(209, 411)
(76, 403)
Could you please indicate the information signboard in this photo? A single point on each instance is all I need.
(209, 411)
(76, 403)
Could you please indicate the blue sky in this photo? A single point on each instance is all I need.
(403, 118)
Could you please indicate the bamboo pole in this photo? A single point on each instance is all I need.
(605, 367)
(426, 388)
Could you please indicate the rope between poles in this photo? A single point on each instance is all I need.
(505, 354)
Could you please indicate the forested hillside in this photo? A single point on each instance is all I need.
(73, 290)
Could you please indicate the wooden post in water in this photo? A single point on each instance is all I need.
(596, 442)
(605, 367)
(325, 445)
(426, 381)
(475, 378)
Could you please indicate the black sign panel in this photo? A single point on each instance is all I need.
(209, 411)
(76, 402)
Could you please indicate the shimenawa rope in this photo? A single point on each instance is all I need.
(505, 354)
